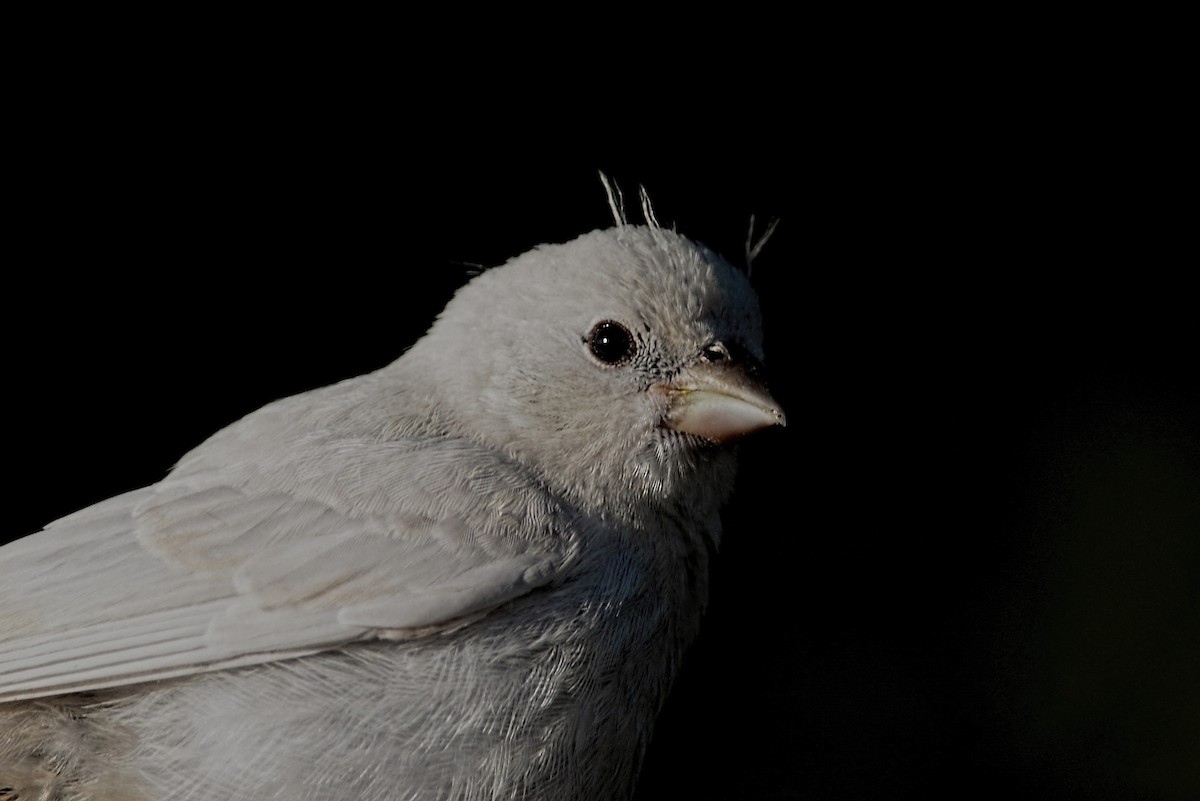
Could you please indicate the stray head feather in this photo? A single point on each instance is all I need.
(616, 204)
(753, 248)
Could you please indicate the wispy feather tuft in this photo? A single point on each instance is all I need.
(753, 248)
(616, 201)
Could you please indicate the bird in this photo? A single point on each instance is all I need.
(470, 574)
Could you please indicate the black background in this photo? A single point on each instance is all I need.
(967, 567)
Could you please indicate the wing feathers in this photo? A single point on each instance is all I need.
(32, 665)
(213, 576)
(471, 591)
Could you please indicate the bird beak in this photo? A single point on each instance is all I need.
(719, 401)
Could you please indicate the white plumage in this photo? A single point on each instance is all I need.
(468, 575)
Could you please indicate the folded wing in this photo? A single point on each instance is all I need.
(201, 573)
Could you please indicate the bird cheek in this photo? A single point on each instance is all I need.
(660, 398)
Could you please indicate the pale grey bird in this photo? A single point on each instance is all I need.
(470, 574)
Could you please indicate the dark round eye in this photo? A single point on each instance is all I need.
(716, 352)
(611, 342)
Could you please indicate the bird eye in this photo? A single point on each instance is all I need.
(611, 342)
(716, 352)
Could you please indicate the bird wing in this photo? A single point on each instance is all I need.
(198, 574)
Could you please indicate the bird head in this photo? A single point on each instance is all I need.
(617, 365)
